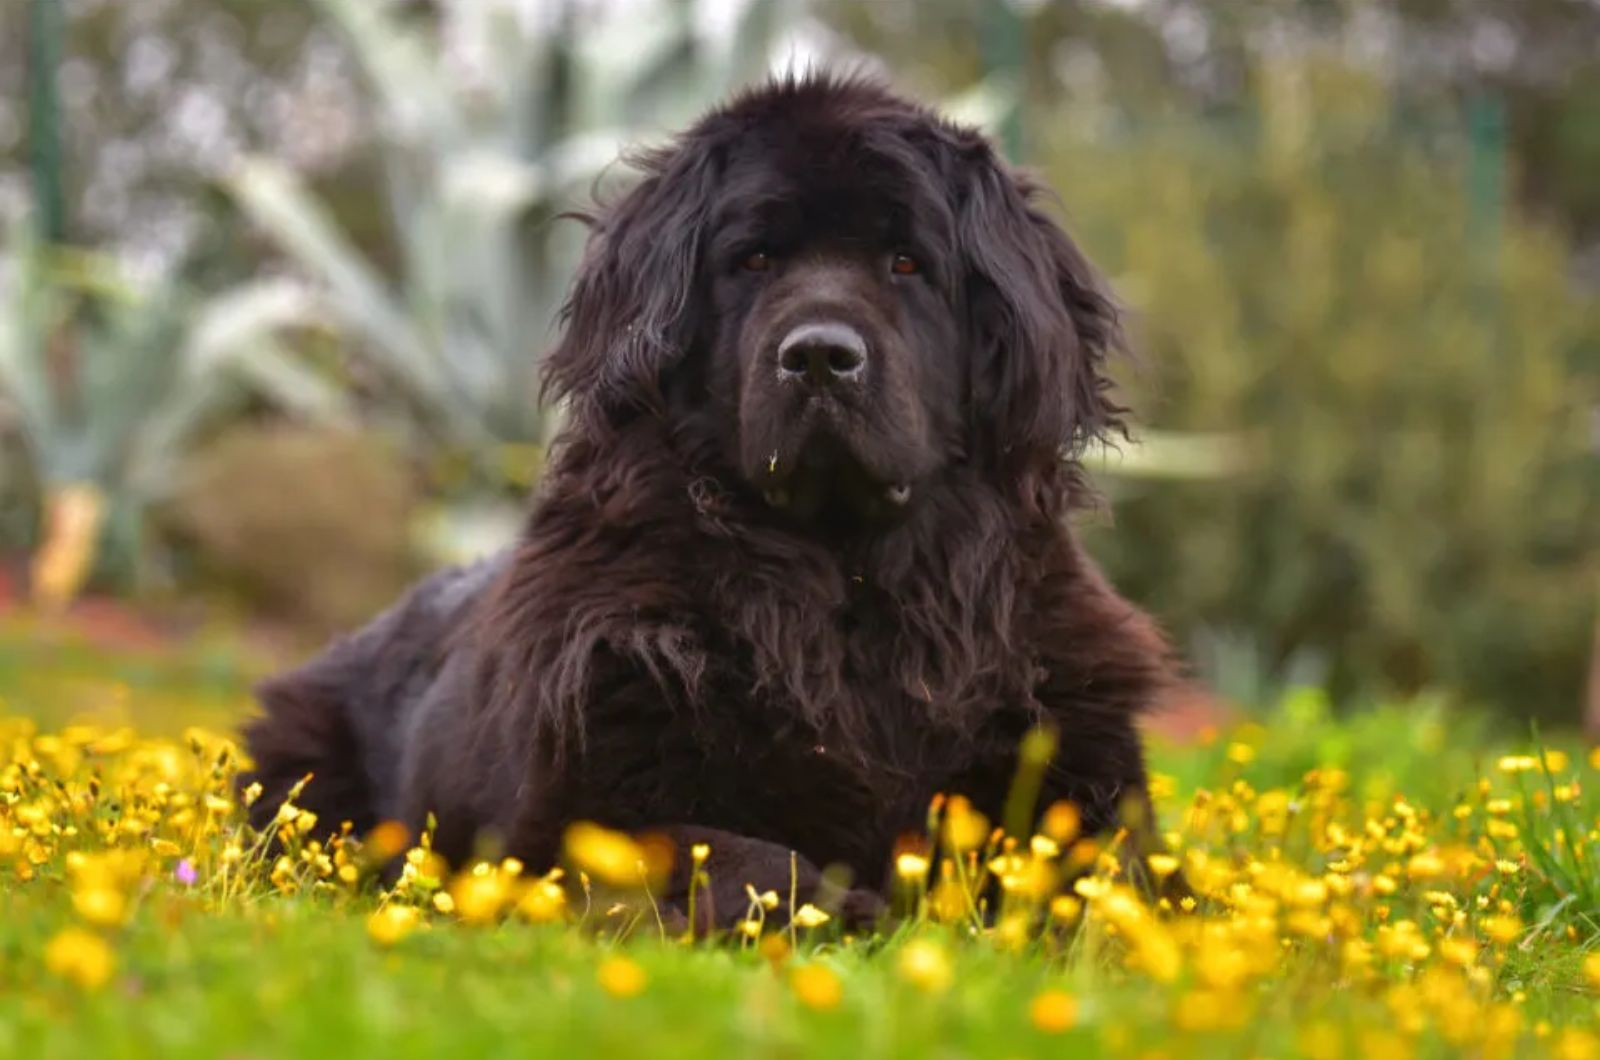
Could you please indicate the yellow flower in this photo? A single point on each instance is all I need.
(1501, 830)
(817, 987)
(81, 957)
(388, 839)
(809, 916)
(544, 901)
(392, 923)
(700, 852)
(101, 906)
(1426, 866)
(1591, 968)
(1163, 865)
(964, 827)
(1207, 1010)
(1502, 929)
(1517, 763)
(609, 856)
(1575, 1044)
(1061, 822)
(1054, 1011)
(911, 866)
(1065, 908)
(1091, 887)
(1156, 952)
(925, 965)
(621, 977)
(479, 896)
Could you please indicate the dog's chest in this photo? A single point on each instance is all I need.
(836, 794)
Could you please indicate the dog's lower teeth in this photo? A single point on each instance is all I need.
(777, 498)
(899, 494)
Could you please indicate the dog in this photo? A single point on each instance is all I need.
(800, 559)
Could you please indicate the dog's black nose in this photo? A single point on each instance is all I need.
(824, 352)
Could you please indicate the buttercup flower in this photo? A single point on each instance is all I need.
(816, 986)
(80, 956)
(621, 977)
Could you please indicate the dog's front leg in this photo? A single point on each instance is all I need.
(738, 864)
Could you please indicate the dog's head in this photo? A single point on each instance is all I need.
(848, 297)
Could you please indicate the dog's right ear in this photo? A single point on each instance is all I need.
(633, 310)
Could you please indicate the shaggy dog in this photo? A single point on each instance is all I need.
(800, 559)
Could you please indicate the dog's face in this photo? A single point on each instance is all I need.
(846, 298)
(832, 342)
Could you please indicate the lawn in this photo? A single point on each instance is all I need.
(1401, 882)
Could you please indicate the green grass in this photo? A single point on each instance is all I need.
(248, 972)
(56, 675)
(293, 980)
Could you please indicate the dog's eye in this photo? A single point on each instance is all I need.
(757, 262)
(904, 265)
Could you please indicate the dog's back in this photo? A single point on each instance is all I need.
(340, 718)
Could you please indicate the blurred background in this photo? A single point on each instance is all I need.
(275, 276)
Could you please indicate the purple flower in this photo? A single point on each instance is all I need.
(184, 871)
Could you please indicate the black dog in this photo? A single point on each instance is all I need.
(800, 559)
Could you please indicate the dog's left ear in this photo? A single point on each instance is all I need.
(1042, 322)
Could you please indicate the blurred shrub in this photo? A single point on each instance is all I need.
(312, 525)
(1416, 371)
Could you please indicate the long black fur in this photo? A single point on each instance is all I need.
(693, 637)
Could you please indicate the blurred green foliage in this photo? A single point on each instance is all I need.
(1423, 502)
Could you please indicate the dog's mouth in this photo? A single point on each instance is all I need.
(822, 479)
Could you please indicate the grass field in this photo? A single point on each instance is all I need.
(1404, 882)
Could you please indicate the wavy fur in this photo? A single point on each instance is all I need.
(663, 650)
